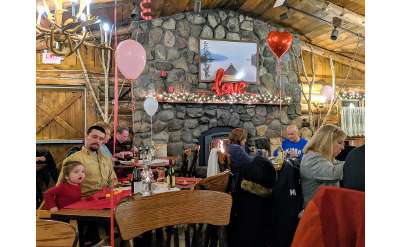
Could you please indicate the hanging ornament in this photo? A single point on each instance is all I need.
(170, 89)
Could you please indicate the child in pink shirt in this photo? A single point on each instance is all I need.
(69, 190)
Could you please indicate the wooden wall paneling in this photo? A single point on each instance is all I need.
(323, 70)
(300, 22)
(264, 6)
(252, 6)
(60, 113)
(356, 6)
(209, 4)
(320, 34)
(58, 151)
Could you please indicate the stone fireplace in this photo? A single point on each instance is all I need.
(210, 137)
(172, 45)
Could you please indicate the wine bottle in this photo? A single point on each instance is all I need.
(134, 178)
(168, 177)
(172, 172)
(140, 153)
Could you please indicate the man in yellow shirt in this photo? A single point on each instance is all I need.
(99, 170)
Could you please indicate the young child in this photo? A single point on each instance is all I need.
(69, 190)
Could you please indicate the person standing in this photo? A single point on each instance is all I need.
(98, 167)
(319, 166)
(293, 145)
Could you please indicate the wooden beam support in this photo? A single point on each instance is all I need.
(339, 81)
(326, 53)
(335, 10)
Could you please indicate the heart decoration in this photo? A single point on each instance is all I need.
(279, 42)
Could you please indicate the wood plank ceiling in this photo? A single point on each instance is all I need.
(312, 30)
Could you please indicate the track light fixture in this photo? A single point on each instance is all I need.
(336, 22)
(197, 6)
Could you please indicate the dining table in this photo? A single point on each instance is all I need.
(88, 210)
(157, 162)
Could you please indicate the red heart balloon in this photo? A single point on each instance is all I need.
(279, 42)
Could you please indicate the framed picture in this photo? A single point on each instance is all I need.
(237, 58)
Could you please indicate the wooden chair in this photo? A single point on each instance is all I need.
(218, 182)
(172, 208)
(192, 168)
(50, 233)
(185, 162)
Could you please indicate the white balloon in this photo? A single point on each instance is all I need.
(151, 106)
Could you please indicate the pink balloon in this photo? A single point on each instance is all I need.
(130, 58)
(327, 91)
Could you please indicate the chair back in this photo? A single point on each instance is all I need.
(217, 182)
(172, 208)
(192, 168)
(51, 233)
(340, 211)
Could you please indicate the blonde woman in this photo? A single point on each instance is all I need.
(319, 166)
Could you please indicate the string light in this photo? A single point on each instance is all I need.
(245, 99)
(352, 96)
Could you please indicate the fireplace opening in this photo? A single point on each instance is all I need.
(212, 138)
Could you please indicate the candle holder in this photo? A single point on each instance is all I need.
(147, 178)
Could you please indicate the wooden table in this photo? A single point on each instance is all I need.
(158, 162)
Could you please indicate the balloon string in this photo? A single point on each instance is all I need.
(115, 120)
(133, 103)
(151, 130)
(278, 74)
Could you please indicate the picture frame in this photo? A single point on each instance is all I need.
(239, 59)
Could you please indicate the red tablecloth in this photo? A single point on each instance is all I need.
(186, 182)
(128, 178)
(100, 200)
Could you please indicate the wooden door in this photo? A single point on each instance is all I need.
(60, 114)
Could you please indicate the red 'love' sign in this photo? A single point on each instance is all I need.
(227, 87)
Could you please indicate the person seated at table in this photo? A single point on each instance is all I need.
(293, 145)
(354, 169)
(103, 147)
(69, 190)
(124, 149)
(98, 167)
(319, 166)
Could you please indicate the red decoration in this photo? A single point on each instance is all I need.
(146, 11)
(227, 87)
(170, 89)
(279, 42)
(163, 74)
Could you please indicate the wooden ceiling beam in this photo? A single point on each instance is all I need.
(340, 81)
(335, 10)
(326, 53)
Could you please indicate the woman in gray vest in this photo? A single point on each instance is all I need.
(319, 166)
